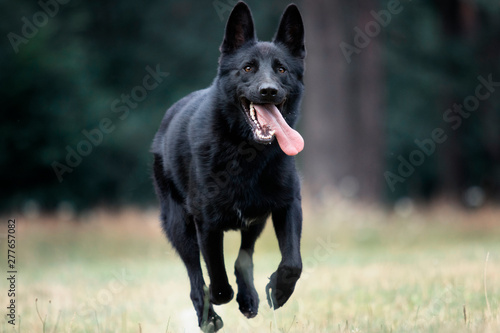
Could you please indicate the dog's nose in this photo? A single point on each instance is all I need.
(268, 90)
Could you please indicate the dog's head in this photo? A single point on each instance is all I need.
(264, 80)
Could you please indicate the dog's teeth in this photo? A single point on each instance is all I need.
(268, 136)
(252, 111)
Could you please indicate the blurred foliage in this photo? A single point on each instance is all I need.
(435, 51)
(65, 79)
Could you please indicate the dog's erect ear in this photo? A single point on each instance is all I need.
(239, 29)
(291, 32)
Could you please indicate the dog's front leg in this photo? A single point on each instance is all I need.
(247, 297)
(211, 246)
(288, 226)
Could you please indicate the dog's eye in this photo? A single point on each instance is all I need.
(281, 70)
(247, 68)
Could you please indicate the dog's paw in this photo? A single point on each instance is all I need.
(249, 302)
(221, 295)
(212, 324)
(281, 286)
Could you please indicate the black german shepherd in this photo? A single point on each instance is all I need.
(217, 166)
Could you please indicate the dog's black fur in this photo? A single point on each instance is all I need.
(212, 176)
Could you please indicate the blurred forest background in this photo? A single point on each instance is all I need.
(402, 97)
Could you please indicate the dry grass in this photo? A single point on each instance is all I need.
(365, 270)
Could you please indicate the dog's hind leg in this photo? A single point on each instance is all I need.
(247, 297)
(182, 234)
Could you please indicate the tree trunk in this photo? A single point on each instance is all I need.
(343, 118)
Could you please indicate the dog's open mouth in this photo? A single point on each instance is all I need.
(267, 122)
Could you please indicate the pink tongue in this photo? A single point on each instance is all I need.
(290, 141)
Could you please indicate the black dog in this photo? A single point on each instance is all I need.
(217, 166)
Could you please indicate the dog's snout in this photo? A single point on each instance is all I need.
(268, 90)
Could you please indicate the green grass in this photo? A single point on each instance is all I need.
(365, 270)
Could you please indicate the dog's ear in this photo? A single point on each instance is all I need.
(239, 29)
(291, 32)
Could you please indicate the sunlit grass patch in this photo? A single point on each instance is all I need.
(364, 271)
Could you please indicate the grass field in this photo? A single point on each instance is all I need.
(365, 270)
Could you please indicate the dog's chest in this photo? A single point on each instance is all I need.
(245, 220)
